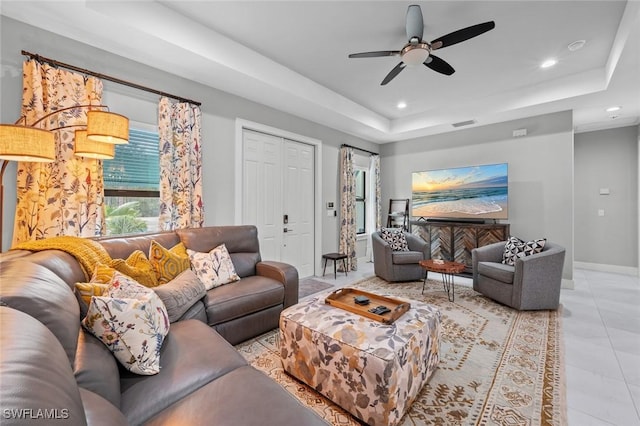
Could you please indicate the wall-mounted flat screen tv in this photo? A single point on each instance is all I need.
(474, 192)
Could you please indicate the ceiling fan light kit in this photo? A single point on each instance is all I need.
(415, 55)
(417, 51)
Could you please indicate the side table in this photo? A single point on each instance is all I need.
(447, 270)
(335, 257)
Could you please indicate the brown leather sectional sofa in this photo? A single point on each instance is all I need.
(53, 371)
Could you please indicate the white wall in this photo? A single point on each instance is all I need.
(219, 112)
(607, 159)
(540, 171)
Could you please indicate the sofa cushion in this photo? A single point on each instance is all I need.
(99, 411)
(179, 294)
(214, 268)
(241, 242)
(236, 404)
(168, 263)
(497, 271)
(39, 292)
(395, 238)
(132, 321)
(250, 295)
(515, 248)
(406, 257)
(196, 311)
(121, 246)
(96, 369)
(192, 355)
(35, 371)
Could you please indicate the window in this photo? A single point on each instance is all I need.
(131, 185)
(361, 201)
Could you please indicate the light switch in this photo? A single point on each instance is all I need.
(600, 212)
(605, 191)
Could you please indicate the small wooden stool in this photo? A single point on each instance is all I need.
(335, 257)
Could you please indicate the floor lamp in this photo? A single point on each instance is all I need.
(28, 143)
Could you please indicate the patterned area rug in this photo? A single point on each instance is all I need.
(308, 286)
(497, 366)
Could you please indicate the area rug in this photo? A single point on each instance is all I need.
(497, 366)
(308, 286)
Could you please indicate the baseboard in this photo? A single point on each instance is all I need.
(616, 269)
(567, 284)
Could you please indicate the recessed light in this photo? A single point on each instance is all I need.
(548, 63)
(613, 108)
(576, 45)
(401, 105)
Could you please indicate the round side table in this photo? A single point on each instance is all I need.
(447, 270)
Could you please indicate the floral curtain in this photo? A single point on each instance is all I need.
(348, 207)
(374, 215)
(65, 197)
(180, 165)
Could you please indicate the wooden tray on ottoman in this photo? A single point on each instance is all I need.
(343, 299)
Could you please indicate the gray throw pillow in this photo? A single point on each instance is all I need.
(179, 294)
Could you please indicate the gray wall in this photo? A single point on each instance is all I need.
(219, 109)
(540, 171)
(607, 159)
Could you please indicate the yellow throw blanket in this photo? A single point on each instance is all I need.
(87, 252)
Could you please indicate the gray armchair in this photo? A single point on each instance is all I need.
(399, 265)
(533, 283)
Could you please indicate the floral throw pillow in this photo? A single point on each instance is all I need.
(515, 248)
(131, 320)
(395, 238)
(214, 268)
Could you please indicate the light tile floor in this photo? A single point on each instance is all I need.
(601, 327)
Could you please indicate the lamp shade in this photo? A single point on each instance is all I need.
(20, 143)
(107, 127)
(85, 147)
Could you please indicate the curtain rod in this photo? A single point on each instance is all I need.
(106, 77)
(360, 149)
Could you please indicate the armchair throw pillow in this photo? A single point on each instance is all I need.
(214, 268)
(515, 248)
(395, 238)
(131, 320)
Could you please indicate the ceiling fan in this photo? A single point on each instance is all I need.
(417, 51)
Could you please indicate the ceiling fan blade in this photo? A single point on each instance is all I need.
(375, 54)
(439, 65)
(394, 72)
(462, 35)
(414, 26)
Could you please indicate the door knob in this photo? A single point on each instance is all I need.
(287, 230)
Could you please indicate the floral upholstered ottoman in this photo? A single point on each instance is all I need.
(372, 370)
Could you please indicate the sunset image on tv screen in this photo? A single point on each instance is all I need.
(477, 192)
